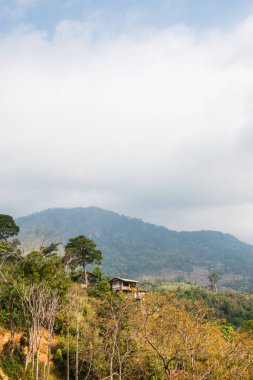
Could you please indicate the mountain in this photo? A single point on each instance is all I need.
(132, 247)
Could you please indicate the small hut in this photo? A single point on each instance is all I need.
(91, 279)
(127, 286)
(123, 284)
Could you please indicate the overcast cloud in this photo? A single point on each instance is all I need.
(155, 124)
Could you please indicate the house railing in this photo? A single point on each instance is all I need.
(123, 287)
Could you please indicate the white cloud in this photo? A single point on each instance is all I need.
(155, 124)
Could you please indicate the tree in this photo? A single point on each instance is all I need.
(42, 284)
(41, 302)
(81, 251)
(9, 257)
(39, 239)
(35, 267)
(214, 278)
(77, 353)
(186, 343)
(50, 250)
(9, 252)
(117, 321)
(8, 227)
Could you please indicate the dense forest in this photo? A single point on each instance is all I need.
(133, 248)
(54, 325)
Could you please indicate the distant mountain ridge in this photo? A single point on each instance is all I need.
(134, 248)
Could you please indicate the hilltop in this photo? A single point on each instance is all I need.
(134, 248)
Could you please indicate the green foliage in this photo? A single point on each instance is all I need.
(227, 331)
(100, 289)
(50, 250)
(36, 268)
(98, 273)
(81, 251)
(115, 333)
(214, 278)
(5, 248)
(8, 227)
(10, 293)
(12, 363)
(59, 359)
(247, 325)
(234, 307)
(8, 248)
(133, 248)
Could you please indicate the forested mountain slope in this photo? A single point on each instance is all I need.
(134, 248)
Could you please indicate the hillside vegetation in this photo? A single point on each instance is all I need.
(55, 325)
(234, 307)
(134, 248)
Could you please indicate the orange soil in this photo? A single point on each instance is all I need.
(5, 337)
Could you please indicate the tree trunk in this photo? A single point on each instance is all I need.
(120, 371)
(168, 373)
(37, 365)
(33, 345)
(85, 276)
(119, 361)
(29, 350)
(49, 342)
(111, 361)
(12, 327)
(37, 356)
(77, 347)
(68, 345)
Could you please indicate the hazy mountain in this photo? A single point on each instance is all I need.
(133, 248)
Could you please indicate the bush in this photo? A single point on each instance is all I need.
(13, 364)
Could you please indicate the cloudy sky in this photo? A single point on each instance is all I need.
(144, 107)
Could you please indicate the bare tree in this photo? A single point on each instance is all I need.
(37, 239)
(50, 320)
(117, 333)
(40, 304)
(77, 299)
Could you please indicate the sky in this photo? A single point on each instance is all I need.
(140, 107)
